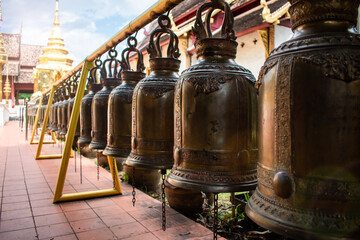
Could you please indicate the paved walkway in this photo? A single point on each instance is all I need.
(27, 212)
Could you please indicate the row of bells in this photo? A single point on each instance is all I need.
(207, 124)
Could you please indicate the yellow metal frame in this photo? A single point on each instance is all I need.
(38, 155)
(36, 123)
(59, 196)
(149, 15)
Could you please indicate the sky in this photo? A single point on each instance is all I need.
(85, 24)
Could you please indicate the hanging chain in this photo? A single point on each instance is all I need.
(163, 205)
(215, 215)
(80, 169)
(133, 185)
(114, 171)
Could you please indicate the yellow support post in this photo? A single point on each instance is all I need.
(41, 139)
(58, 196)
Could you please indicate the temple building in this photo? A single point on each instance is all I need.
(17, 61)
(55, 60)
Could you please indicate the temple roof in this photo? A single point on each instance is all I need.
(30, 54)
(12, 44)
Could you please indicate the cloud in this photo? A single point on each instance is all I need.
(85, 24)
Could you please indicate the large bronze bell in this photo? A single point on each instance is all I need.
(309, 126)
(215, 148)
(110, 78)
(85, 112)
(73, 89)
(119, 112)
(153, 105)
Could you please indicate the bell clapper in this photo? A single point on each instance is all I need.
(133, 185)
(215, 215)
(163, 205)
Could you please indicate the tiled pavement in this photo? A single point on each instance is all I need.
(27, 211)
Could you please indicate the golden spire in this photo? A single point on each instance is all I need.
(55, 58)
(56, 20)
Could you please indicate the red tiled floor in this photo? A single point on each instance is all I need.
(14, 206)
(103, 234)
(80, 215)
(49, 231)
(24, 234)
(15, 214)
(87, 224)
(73, 206)
(129, 230)
(28, 212)
(118, 219)
(50, 219)
(17, 224)
(146, 236)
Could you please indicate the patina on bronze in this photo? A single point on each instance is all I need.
(73, 89)
(120, 102)
(153, 105)
(309, 126)
(110, 78)
(85, 112)
(215, 114)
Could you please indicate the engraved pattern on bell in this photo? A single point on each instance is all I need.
(110, 78)
(215, 115)
(153, 104)
(120, 104)
(309, 127)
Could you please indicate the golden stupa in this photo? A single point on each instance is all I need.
(55, 61)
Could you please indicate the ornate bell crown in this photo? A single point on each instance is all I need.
(202, 31)
(308, 11)
(73, 84)
(154, 48)
(125, 63)
(111, 67)
(93, 73)
(205, 44)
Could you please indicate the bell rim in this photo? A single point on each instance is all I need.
(114, 151)
(281, 228)
(149, 165)
(210, 187)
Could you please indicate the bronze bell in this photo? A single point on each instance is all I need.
(110, 78)
(309, 127)
(85, 112)
(73, 88)
(53, 113)
(64, 109)
(59, 111)
(119, 112)
(41, 111)
(153, 105)
(215, 148)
